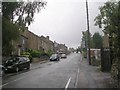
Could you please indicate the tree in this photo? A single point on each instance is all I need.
(22, 11)
(85, 38)
(9, 32)
(85, 42)
(97, 40)
(109, 20)
(16, 16)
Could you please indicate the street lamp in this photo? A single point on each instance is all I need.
(88, 52)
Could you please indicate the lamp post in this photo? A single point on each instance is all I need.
(88, 51)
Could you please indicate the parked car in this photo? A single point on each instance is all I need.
(54, 57)
(1, 70)
(63, 56)
(17, 63)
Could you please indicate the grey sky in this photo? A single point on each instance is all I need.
(64, 20)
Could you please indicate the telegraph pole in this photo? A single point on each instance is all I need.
(88, 51)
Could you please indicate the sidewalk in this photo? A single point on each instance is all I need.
(91, 76)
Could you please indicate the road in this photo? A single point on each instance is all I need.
(55, 74)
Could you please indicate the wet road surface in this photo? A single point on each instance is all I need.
(56, 74)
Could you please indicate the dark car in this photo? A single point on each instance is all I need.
(17, 63)
(54, 57)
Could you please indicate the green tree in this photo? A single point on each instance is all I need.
(49, 52)
(15, 16)
(22, 11)
(109, 20)
(85, 41)
(9, 32)
(97, 40)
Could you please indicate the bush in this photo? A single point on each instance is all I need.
(35, 53)
(27, 54)
(84, 54)
(49, 53)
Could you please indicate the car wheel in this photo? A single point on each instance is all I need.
(28, 67)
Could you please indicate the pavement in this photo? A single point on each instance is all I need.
(91, 76)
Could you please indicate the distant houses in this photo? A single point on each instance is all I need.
(60, 48)
(29, 40)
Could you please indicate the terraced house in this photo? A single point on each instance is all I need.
(46, 44)
(29, 40)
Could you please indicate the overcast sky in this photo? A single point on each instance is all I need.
(64, 20)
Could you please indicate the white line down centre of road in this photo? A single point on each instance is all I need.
(77, 78)
(67, 83)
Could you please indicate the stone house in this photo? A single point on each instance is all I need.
(63, 48)
(60, 48)
(29, 40)
(46, 44)
(19, 45)
(71, 49)
(33, 40)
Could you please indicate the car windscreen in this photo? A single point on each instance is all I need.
(63, 55)
(54, 55)
(11, 61)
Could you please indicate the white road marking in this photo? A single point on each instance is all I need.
(11, 81)
(67, 83)
(77, 78)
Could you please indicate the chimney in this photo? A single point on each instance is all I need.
(47, 37)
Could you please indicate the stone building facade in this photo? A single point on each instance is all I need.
(29, 40)
(60, 48)
(46, 44)
(33, 40)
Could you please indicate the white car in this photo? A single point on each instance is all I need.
(63, 56)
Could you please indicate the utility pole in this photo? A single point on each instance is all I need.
(88, 38)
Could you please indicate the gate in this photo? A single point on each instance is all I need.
(105, 60)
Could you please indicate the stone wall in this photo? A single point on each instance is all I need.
(115, 74)
(34, 60)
